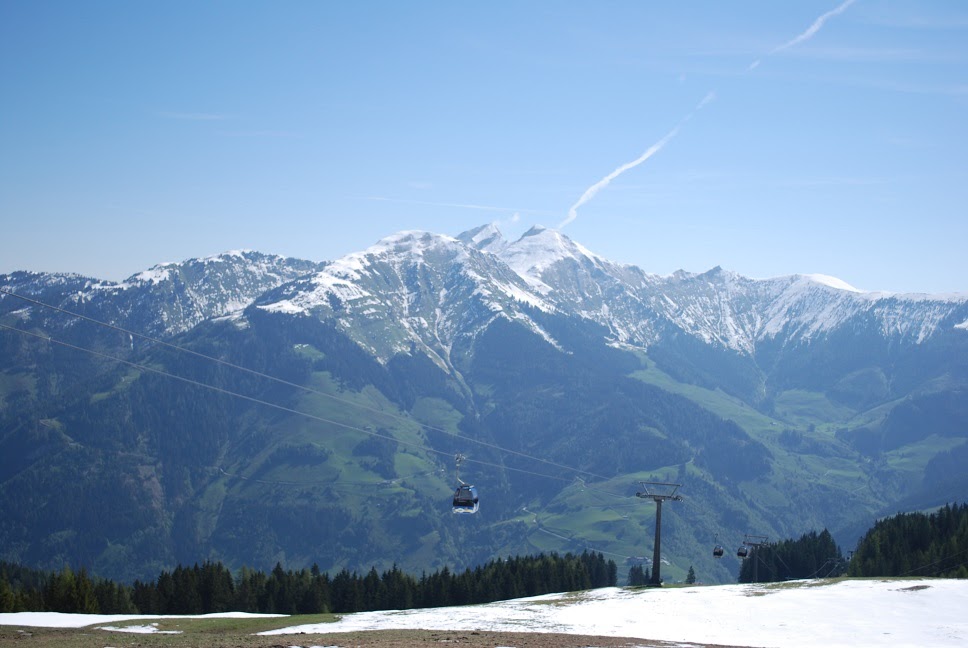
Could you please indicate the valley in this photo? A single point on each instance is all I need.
(254, 410)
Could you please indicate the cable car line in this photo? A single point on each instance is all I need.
(465, 496)
(579, 541)
(338, 485)
(332, 482)
(940, 560)
(283, 408)
(328, 482)
(282, 381)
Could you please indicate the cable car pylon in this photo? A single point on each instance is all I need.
(755, 542)
(649, 491)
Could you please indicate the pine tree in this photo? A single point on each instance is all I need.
(915, 544)
(279, 588)
(7, 597)
(85, 601)
(216, 588)
(691, 576)
(638, 576)
(59, 593)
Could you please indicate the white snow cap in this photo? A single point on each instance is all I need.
(540, 247)
(487, 238)
(832, 282)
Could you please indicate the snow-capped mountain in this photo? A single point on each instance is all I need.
(438, 288)
(411, 290)
(718, 307)
(769, 396)
(431, 290)
(582, 283)
(164, 300)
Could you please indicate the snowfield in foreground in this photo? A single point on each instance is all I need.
(801, 613)
(917, 612)
(62, 620)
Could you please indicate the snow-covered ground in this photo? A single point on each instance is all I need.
(62, 620)
(803, 613)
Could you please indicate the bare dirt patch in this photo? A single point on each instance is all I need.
(92, 638)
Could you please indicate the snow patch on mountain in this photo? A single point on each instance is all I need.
(833, 282)
(155, 275)
(171, 298)
(414, 289)
(540, 248)
(486, 238)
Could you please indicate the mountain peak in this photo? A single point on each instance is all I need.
(413, 242)
(486, 238)
(539, 248)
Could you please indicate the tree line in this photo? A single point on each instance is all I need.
(916, 544)
(211, 587)
(813, 555)
(907, 544)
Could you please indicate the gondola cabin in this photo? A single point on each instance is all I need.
(718, 551)
(743, 551)
(465, 499)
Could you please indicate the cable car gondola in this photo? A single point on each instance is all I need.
(718, 548)
(743, 551)
(465, 497)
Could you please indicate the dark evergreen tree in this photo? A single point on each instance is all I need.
(186, 597)
(281, 591)
(113, 598)
(639, 576)
(915, 544)
(216, 587)
(211, 587)
(347, 592)
(70, 592)
(813, 555)
(8, 598)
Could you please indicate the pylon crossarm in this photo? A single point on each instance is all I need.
(650, 492)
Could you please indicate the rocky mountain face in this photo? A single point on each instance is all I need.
(163, 301)
(564, 377)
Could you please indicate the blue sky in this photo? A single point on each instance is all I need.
(134, 133)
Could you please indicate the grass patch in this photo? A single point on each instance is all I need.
(913, 458)
(716, 401)
(802, 408)
(194, 633)
(250, 625)
(437, 413)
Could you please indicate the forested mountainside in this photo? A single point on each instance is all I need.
(298, 412)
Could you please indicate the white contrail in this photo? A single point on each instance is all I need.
(815, 27)
(655, 148)
(652, 150)
(810, 31)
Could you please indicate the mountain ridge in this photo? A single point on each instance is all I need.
(627, 300)
(768, 398)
